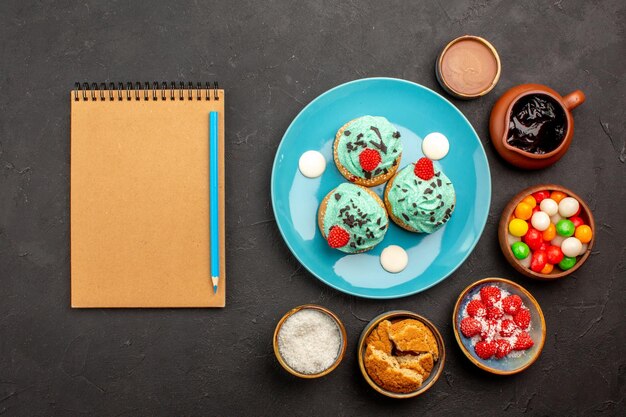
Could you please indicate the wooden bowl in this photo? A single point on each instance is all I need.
(503, 230)
(507, 365)
(342, 348)
(398, 315)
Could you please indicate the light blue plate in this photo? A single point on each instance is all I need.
(415, 111)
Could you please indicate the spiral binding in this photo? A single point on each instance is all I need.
(151, 90)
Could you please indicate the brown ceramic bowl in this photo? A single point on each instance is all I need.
(398, 315)
(507, 215)
(499, 125)
(508, 365)
(342, 348)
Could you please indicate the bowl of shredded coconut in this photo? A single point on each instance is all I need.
(309, 341)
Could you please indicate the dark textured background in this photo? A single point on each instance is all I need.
(273, 57)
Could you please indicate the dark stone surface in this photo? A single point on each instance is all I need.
(273, 57)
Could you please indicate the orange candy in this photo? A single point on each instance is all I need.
(530, 200)
(583, 233)
(549, 233)
(523, 211)
(557, 196)
(547, 269)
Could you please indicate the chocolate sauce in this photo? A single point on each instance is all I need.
(537, 124)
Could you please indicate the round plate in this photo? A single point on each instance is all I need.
(415, 111)
(512, 364)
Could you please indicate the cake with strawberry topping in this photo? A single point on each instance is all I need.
(420, 197)
(367, 150)
(497, 323)
(352, 218)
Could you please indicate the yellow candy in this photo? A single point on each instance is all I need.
(530, 200)
(518, 227)
(523, 211)
(557, 196)
(550, 232)
(583, 233)
(547, 269)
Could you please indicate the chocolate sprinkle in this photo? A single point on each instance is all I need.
(439, 182)
(337, 196)
(405, 217)
(347, 133)
(396, 135)
(401, 199)
(428, 191)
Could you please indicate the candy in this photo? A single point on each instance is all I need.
(538, 261)
(583, 233)
(523, 211)
(541, 195)
(568, 207)
(557, 241)
(520, 250)
(555, 219)
(565, 227)
(533, 238)
(554, 254)
(530, 200)
(557, 196)
(547, 269)
(525, 262)
(577, 221)
(584, 249)
(571, 247)
(549, 233)
(567, 263)
(518, 227)
(512, 239)
(549, 206)
(544, 246)
(540, 221)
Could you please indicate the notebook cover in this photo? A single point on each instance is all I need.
(140, 203)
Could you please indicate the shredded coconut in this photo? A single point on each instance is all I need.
(309, 341)
(493, 332)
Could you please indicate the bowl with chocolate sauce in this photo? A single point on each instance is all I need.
(532, 126)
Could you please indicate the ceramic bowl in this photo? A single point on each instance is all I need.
(394, 316)
(342, 348)
(508, 365)
(507, 214)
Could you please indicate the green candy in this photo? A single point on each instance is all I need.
(567, 263)
(565, 228)
(520, 250)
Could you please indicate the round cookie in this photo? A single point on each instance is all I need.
(420, 198)
(367, 150)
(352, 218)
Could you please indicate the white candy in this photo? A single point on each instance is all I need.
(571, 247)
(435, 146)
(568, 207)
(525, 262)
(512, 239)
(584, 249)
(555, 219)
(312, 164)
(394, 259)
(557, 241)
(540, 221)
(549, 206)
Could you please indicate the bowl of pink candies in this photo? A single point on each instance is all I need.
(546, 232)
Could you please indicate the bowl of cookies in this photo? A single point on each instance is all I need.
(499, 326)
(401, 354)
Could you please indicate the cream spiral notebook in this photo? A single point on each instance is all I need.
(140, 195)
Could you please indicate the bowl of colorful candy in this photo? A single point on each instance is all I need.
(546, 232)
(499, 326)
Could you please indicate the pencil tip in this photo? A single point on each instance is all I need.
(214, 289)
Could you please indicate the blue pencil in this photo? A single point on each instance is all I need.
(213, 199)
